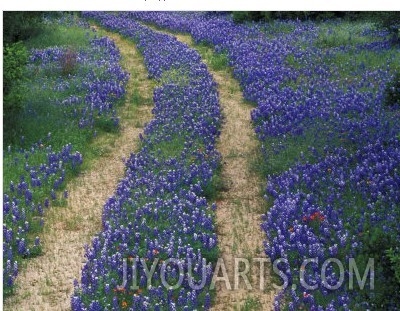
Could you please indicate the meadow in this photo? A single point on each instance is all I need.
(326, 111)
(74, 87)
(330, 147)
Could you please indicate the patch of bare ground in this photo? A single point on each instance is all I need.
(47, 281)
(240, 208)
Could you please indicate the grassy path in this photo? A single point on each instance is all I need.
(47, 281)
(241, 205)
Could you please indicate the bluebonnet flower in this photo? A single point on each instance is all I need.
(105, 85)
(158, 186)
(312, 209)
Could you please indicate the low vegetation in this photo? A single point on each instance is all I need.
(57, 99)
(325, 88)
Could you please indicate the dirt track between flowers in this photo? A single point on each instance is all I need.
(241, 205)
(46, 283)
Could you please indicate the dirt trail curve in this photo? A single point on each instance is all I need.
(240, 208)
(47, 281)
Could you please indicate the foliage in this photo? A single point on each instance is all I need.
(15, 57)
(62, 113)
(345, 33)
(245, 16)
(251, 304)
(392, 92)
(20, 25)
(393, 254)
(71, 33)
(158, 210)
(381, 246)
(389, 21)
(320, 118)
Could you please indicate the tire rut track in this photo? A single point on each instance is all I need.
(241, 206)
(47, 281)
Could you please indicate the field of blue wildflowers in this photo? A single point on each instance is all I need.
(330, 157)
(159, 210)
(330, 146)
(72, 95)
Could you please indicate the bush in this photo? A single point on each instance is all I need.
(392, 92)
(243, 16)
(389, 21)
(15, 57)
(19, 26)
(381, 246)
(394, 256)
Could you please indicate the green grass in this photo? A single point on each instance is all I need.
(334, 34)
(216, 61)
(42, 114)
(213, 190)
(351, 62)
(350, 65)
(251, 304)
(279, 157)
(56, 35)
(292, 61)
(274, 28)
(171, 148)
(177, 76)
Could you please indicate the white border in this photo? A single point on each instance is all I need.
(201, 5)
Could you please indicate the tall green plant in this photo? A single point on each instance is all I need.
(19, 25)
(15, 57)
(389, 21)
(392, 92)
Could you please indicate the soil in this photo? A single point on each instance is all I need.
(241, 205)
(46, 283)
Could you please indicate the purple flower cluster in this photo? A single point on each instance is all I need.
(92, 88)
(323, 207)
(158, 211)
(22, 207)
(323, 210)
(87, 93)
(295, 87)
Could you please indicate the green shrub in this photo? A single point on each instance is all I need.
(19, 26)
(389, 21)
(381, 246)
(394, 256)
(291, 15)
(15, 57)
(243, 16)
(392, 92)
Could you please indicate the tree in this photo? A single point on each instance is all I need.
(18, 26)
(389, 21)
